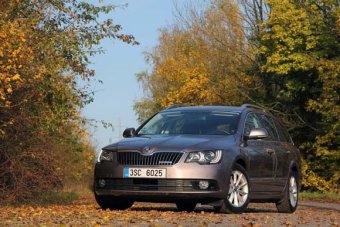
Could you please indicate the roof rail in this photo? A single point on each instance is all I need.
(175, 106)
(251, 106)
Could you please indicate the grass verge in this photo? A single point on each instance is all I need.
(56, 198)
(320, 197)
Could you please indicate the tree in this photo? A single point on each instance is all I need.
(300, 50)
(199, 61)
(44, 50)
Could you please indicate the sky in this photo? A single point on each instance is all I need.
(113, 100)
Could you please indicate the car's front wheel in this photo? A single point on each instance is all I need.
(112, 203)
(238, 195)
(289, 202)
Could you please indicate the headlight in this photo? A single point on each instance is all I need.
(204, 157)
(106, 156)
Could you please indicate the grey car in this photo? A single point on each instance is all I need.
(222, 156)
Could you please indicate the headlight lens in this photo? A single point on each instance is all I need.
(106, 156)
(204, 157)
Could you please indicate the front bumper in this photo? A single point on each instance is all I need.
(181, 182)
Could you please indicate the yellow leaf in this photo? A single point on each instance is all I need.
(16, 77)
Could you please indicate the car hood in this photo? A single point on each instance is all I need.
(173, 143)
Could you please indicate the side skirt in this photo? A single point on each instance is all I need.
(267, 189)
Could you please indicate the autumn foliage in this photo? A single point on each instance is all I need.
(281, 55)
(192, 66)
(44, 50)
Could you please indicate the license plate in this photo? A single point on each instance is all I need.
(144, 173)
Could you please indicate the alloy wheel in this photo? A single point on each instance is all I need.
(238, 189)
(293, 191)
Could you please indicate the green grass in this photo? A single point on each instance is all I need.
(322, 197)
(56, 198)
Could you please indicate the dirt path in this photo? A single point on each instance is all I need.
(87, 213)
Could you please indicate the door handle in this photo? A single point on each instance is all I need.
(269, 150)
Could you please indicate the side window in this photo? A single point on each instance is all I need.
(252, 121)
(284, 135)
(268, 123)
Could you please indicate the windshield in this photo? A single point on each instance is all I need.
(191, 122)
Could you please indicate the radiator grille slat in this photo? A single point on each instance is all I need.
(153, 159)
(156, 159)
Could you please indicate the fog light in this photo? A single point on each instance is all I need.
(101, 183)
(203, 184)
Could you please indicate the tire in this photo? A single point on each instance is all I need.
(238, 192)
(112, 203)
(289, 202)
(186, 206)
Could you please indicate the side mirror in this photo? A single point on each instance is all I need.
(129, 132)
(257, 133)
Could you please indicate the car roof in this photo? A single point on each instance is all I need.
(205, 108)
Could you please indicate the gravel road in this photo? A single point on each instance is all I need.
(87, 213)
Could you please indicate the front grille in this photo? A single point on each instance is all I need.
(157, 159)
(175, 185)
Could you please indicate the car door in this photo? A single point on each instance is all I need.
(284, 153)
(273, 147)
(261, 163)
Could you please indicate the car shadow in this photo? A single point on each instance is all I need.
(200, 209)
(260, 210)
